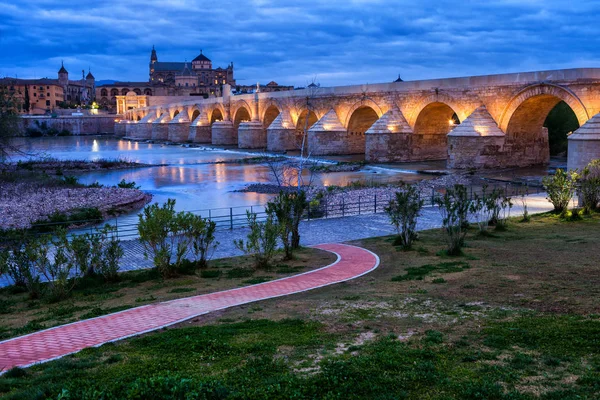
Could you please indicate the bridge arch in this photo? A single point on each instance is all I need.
(301, 122)
(270, 113)
(361, 119)
(362, 106)
(242, 114)
(194, 113)
(235, 107)
(539, 99)
(412, 117)
(216, 113)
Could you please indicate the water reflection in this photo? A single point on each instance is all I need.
(187, 175)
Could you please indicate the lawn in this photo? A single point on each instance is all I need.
(94, 297)
(515, 317)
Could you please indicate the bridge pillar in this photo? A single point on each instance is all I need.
(179, 128)
(584, 144)
(200, 130)
(160, 127)
(223, 133)
(252, 135)
(477, 143)
(281, 134)
(142, 129)
(329, 137)
(389, 139)
(121, 127)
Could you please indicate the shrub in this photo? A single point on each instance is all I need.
(526, 216)
(288, 208)
(261, 241)
(127, 185)
(560, 189)
(201, 235)
(56, 268)
(589, 187)
(403, 212)
(15, 262)
(158, 228)
(454, 207)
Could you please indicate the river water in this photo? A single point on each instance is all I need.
(188, 174)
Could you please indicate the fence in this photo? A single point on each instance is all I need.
(328, 207)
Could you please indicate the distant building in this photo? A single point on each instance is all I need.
(77, 92)
(47, 94)
(167, 78)
(269, 87)
(44, 94)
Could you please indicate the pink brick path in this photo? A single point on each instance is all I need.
(66, 339)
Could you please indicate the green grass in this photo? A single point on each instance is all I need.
(418, 273)
(262, 359)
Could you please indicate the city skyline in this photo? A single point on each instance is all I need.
(338, 43)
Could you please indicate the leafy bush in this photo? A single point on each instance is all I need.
(403, 212)
(15, 262)
(163, 231)
(288, 208)
(454, 207)
(158, 228)
(261, 241)
(526, 216)
(589, 187)
(201, 235)
(560, 188)
(127, 185)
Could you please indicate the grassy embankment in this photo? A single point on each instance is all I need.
(516, 317)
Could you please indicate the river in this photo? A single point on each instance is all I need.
(189, 174)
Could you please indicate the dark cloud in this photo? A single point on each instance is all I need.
(338, 42)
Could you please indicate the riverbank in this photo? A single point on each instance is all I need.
(25, 204)
(42, 191)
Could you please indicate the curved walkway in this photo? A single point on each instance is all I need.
(57, 342)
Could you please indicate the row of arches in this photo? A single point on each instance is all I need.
(116, 92)
(541, 113)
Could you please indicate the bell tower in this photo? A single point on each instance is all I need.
(153, 60)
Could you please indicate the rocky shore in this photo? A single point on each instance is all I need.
(24, 204)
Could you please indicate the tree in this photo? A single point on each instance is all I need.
(27, 104)
(560, 189)
(589, 187)
(8, 121)
(288, 208)
(261, 241)
(403, 212)
(454, 207)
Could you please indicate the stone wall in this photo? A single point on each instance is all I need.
(86, 125)
(252, 135)
(388, 147)
(200, 134)
(178, 131)
(280, 139)
(321, 143)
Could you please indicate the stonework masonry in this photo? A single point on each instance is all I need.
(517, 104)
(85, 125)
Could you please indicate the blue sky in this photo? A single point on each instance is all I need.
(292, 42)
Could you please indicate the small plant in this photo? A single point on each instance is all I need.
(200, 233)
(560, 189)
(403, 212)
(158, 227)
(589, 187)
(526, 216)
(127, 185)
(454, 207)
(288, 208)
(262, 239)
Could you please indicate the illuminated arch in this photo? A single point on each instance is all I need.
(363, 104)
(412, 117)
(545, 94)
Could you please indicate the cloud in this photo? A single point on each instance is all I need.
(339, 42)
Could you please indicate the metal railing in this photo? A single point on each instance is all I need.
(236, 217)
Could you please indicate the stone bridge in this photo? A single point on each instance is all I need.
(473, 122)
